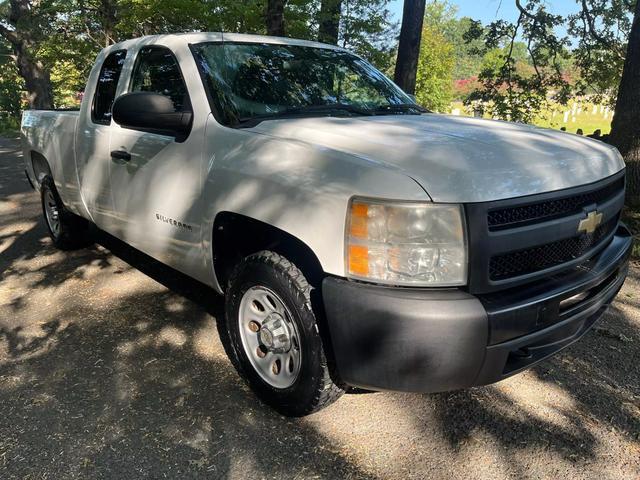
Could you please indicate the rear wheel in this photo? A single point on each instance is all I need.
(274, 338)
(67, 230)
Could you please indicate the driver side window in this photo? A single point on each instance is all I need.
(156, 70)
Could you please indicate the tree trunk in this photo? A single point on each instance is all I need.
(329, 21)
(275, 17)
(108, 18)
(625, 128)
(21, 37)
(36, 79)
(409, 47)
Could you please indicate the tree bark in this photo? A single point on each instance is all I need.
(22, 40)
(275, 17)
(329, 21)
(36, 79)
(108, 18)
(625, 128)
(409, 46)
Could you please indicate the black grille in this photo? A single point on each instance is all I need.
(547, 210)
(531, 260)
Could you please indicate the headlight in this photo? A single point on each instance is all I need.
(406, 243)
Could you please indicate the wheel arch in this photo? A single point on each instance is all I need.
(40, 166)
(236, 236)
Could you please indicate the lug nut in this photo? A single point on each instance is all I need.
(254, 326)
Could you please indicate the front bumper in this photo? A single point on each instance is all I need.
(433, 340)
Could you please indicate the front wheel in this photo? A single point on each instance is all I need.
(274, 337)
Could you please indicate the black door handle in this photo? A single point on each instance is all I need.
(120, 155)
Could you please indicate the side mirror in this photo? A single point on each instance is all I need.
(153, 113)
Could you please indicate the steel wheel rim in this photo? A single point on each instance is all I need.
(270, 337)
(52, 213)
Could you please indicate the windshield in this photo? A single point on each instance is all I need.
(250, 82)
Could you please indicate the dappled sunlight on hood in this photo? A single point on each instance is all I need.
(461, 159)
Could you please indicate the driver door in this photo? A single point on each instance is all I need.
(155, 181)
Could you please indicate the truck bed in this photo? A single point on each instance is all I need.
(51, 134)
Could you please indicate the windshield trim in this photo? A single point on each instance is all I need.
(255, 120)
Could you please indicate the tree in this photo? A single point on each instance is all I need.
(23, 27)
(468, 62)
(508, 89)
(601, 28)
(607, 58)
(275, 17)
(625, 131)
(434, 78)
(409, 45)
(363, 26)
(54, 42)
(366, 28)
(302, 19)
(442, 15)
(11, 84)
(329, 21)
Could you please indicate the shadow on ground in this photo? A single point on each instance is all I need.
(109, 373)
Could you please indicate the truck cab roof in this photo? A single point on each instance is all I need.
(201, 37)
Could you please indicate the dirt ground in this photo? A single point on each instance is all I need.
(111, 367)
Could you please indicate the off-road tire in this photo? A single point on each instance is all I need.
(313, 388)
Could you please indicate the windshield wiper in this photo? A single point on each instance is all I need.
(330, 108)
(313, 110)
(408, 108)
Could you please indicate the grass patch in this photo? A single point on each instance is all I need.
(584, 115)
(631, 216)
(587, 116)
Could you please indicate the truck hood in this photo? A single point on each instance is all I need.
(460, 159)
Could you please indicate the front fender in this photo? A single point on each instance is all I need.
(302, 189)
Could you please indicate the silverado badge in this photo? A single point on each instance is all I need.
(589, 224)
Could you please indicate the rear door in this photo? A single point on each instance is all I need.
(156, 180)
(92, 140)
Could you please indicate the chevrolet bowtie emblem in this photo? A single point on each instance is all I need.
(589, 224)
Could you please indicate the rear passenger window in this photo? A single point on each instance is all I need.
(157, 71)
(106, 87)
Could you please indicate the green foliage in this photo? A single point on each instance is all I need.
(11, 90)
(435, 70)
(528, 67)
(442, 15)
(69, 34)
(602, 31)
(366, 29)
(494, 59)
(68, 82)
(9, 126)
(11, 85)
(301, 19)
(467, 60)
(521, 78)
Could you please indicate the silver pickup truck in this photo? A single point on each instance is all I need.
(359, 240)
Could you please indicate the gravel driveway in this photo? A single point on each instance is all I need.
(111, 367)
